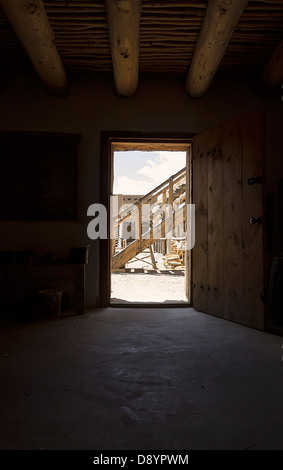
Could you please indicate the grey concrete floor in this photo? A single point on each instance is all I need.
(140, 379)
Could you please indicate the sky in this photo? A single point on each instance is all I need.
(137, 172)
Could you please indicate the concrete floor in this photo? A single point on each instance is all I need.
(140, 379)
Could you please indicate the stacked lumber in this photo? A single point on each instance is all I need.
(175, 259)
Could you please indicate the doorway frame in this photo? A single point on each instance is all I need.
(135, 141)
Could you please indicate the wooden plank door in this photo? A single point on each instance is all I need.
(227, 273)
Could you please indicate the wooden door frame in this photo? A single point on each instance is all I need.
(107, 139)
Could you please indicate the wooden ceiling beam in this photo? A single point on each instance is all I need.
(220, 20)
(30, 23)
(123, 18)
(271, 76)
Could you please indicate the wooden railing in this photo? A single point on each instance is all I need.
(167, 185)
(145, 240)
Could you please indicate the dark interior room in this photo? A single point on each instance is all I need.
(187, 355)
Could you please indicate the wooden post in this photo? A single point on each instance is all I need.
(140, 223)
(170, 206)
(123, 24)
(30, 23)
(152, 258)
(220, 20)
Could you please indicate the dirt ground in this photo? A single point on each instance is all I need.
(140, 283)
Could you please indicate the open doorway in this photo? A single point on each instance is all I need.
(145, 260)
(148, 260)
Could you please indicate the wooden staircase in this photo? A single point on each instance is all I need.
(169, 193)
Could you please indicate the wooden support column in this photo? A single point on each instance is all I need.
(220, 20)
(30, 23)
(271, 76)
(139, 223)
(123, 23)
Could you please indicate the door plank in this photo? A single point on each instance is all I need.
(200, 250)
(228, 271)
(215, 225)
(252, 307)
(232, 224)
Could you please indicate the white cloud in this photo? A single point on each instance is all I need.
(127, 185)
